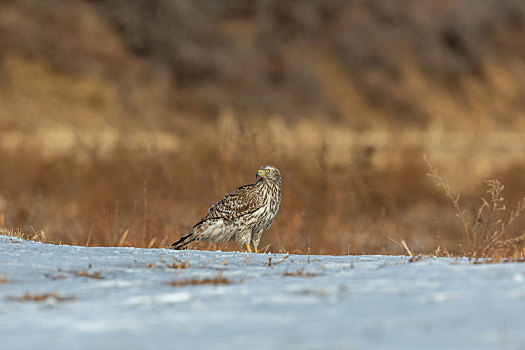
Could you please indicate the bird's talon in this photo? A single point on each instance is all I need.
(248, 248)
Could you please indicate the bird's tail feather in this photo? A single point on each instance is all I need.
(190, 237)
(205, 230)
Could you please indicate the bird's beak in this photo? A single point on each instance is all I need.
(259, 172)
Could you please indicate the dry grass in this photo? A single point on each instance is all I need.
(343, 193)
(149, 198)
(299, 273)
(115, 132)
(55, 277)
(175, 264)
(41, 297)
(271, 264)
(95, 275)
(220, 279)
(178, 265)
(491, 232)
(35, 236)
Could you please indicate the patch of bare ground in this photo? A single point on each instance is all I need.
(95, 275)
(41, 297)
(220, 279)
(299, 273)
(178, 265)
(175, 264)
(55, 277)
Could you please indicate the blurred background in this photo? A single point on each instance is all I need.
(122, 121)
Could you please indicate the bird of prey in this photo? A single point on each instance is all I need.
(242, 215)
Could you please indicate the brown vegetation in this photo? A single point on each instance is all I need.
(489, 233)
(220, 279)
(178, 265)
(339, 197)
(175, 264)
(299, 273)
(121, 122)
(95, 275)
(41, 297)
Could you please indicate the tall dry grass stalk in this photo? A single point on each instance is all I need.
(488, 234)
(35, 236)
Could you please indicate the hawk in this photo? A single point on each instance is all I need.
(242, 215)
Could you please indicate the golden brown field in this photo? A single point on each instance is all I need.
(344, 192)
(113, 132)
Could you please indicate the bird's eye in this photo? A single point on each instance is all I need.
(267, 171)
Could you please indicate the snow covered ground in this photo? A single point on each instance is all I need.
(109, 298)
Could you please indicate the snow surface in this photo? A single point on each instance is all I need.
(336, 302)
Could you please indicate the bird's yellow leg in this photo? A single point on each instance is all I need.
(248, 248)
(255, 249)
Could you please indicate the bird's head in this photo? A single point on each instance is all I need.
(268, 172)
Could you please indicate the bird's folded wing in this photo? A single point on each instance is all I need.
(244, 200)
